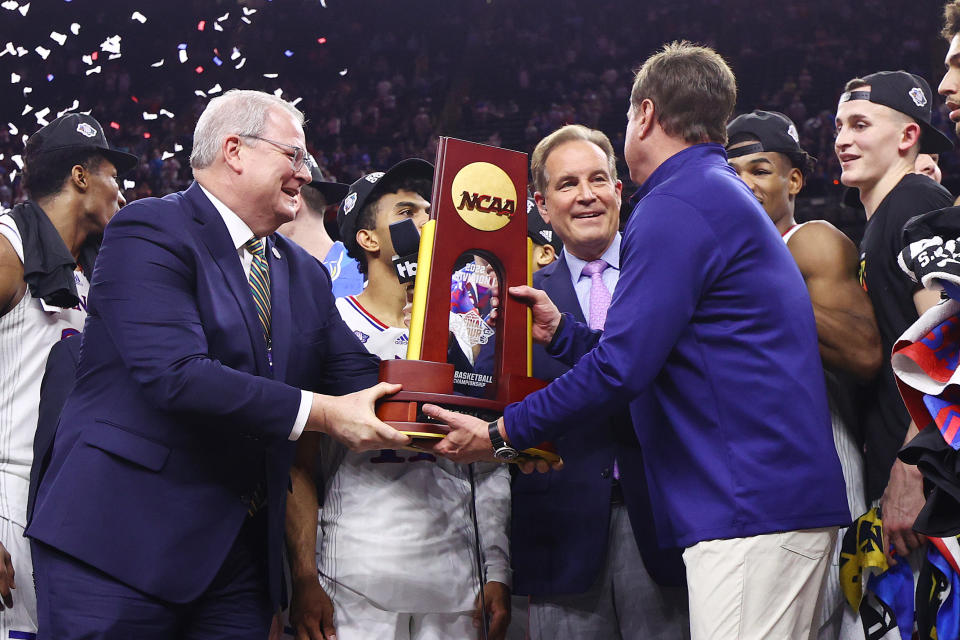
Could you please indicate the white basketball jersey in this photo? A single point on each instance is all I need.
(395, 526)
(27, 333)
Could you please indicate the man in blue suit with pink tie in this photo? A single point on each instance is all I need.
(211, 345)
(583, 540)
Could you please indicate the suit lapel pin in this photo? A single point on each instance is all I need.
(276, 254)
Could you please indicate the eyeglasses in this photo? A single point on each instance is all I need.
(297, 159)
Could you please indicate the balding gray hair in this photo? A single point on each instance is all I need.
(236, 112)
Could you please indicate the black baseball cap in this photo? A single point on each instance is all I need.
(333, 191)
(909, 94)
(361, 190)
(772, 131)
(80, 132)
(539, 230)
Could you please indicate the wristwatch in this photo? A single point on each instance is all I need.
(501, 450)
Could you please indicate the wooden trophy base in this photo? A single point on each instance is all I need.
(426, 382)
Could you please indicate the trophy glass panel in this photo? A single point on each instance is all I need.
(473, 332)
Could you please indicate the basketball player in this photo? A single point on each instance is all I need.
(395, 545)
(71, 176)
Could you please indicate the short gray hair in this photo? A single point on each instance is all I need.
(238, 111)
(568, 133)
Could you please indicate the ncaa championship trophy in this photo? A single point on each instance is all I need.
(472, 249)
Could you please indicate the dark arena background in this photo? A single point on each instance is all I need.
(380, 80)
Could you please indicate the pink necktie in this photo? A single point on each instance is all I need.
(599, 294)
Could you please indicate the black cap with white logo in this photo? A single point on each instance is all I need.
(333, 191)
(910, 95)
(80, 131)
(361, 190)
(539, 230)
(772, 131)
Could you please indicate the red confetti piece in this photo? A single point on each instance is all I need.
(322, 40)
(201, 25)
(94, 55)
(114, 125)
(134, 98)
(199, 69)
(146, 134)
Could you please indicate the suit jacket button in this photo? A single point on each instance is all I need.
(605, 473)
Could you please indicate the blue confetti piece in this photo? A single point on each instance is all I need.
(288, 53)
(217, 61)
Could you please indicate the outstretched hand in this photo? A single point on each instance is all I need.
(351, 419)
(546, 316)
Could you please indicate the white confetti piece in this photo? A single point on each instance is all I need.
(96, 69)
(14, 78)
(42, 116)
(129, 184)
(166, 155)
(164, 112)
(75, 29)
(178, 147)
(149, 116)
(217, 27)
(241, 63)
(223, 17)
(197, 92)
(235, 54)
(278, 93)
(27, 90)
(113, 56)
(246, 19)
(59, 38)
(87, 59)
(158, 63)
(10, 5)
(21, 51)
(9, 49)
(18, 160)
(23, 10)
(343, 72)
(183, 56)
(111, 44)
(296, 102)
(73, 107)
(248, 12)
(215, 89)
(13, 128)
(42, 52)
(139, 17)
(270, 75)
(26, 109)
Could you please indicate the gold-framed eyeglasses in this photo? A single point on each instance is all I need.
(296, 160)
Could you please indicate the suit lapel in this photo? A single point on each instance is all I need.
(214, 235)
(280, 312)
(558, 286)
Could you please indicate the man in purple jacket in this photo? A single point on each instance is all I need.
(711, 314)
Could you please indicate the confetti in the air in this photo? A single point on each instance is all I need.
(75, 29)
(217, 27)
(94, 70)
(240, 64)
(24, 9)
(270, 75)
(178, 147)
(59, 38)
(111, 44)
(164, 112)
(288, 53)
(13, 129)
(18, 160)
(215, 89)
(149, 116)
(166, 155)
(201, 25)
(129, 184)
(10, 5)
(343, 72)
(43, 53)
(14, 78)
(248, 12)
(73, 107)
(235, 54)
(158, 63)
(139, 17)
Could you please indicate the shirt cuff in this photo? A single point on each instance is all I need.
(502, 574)
(306, 400)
